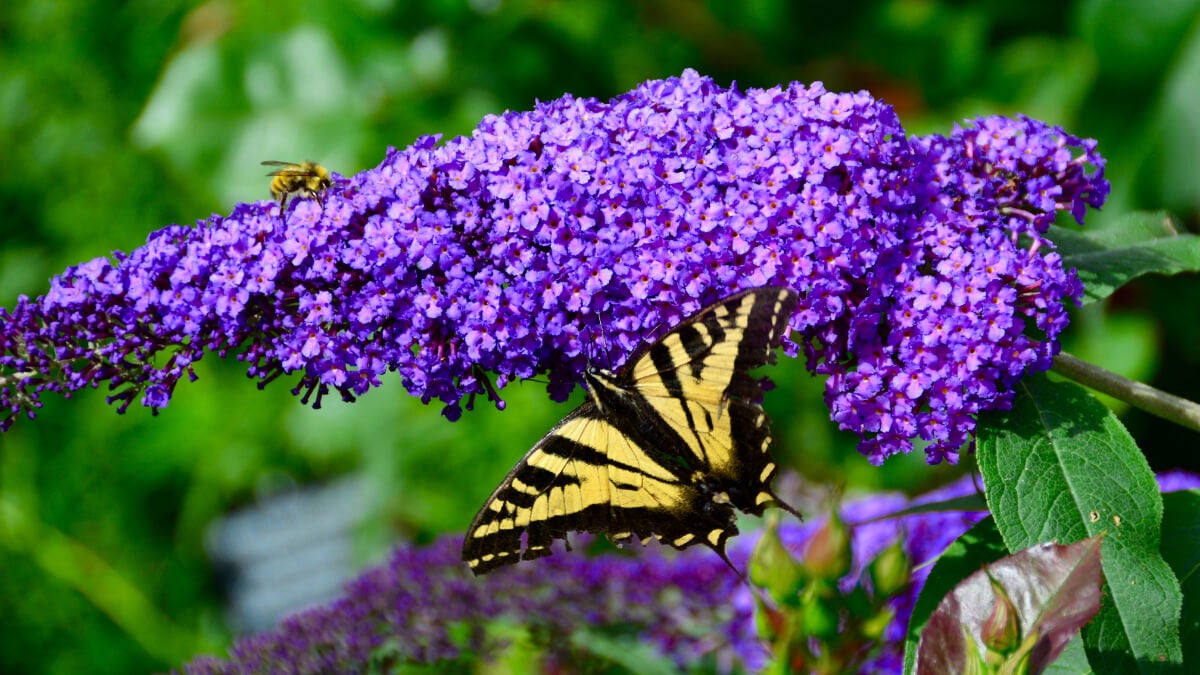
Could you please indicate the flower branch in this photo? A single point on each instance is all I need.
(510, 252)
(1140, 395)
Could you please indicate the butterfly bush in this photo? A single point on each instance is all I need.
(425, 607)
(569, 235)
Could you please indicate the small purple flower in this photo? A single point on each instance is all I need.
(582, 229)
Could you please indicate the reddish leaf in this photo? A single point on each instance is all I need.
(1055, 589)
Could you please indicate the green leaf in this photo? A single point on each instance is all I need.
(1060, 467)
(1073, 660)
(1181, 531)
(1139, 243)
(976, 548)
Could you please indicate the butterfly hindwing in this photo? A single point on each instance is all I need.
(667, 447)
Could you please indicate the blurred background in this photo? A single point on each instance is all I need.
(130, 543)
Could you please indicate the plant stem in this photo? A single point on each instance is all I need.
(1158, 403)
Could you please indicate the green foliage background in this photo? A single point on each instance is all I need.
(117, 119)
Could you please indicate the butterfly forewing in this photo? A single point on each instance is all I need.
(697, 379)
(681, 439)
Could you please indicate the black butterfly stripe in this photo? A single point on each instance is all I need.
(573, 450)
(539, 480)
(536, 477)
(698, 345)
(656, 438)
(661, 356)
(695, 345)
(643, 426)
(760, 334)
(501, 544)
(601, 514)
(752, 351)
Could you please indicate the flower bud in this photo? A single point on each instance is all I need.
(891, 570)
(828, 554)
(1001, 632)
(774, 568)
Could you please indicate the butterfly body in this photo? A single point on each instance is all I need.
(670, 446)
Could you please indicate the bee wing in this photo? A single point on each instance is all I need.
(302, 173)
(292, 172)
(289, 169)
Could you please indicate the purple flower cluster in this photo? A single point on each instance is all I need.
(425, 607)
(575, 232)
(970, 295)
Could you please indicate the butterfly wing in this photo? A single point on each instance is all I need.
(678, 439)
(586, 475)
(697, 380)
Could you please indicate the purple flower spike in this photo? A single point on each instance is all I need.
(687, 606)
(575, 232)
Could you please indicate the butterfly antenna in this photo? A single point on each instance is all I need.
(649, 336)
(603, 336)
(587, 349)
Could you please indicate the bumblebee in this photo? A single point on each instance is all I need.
(307, 178)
